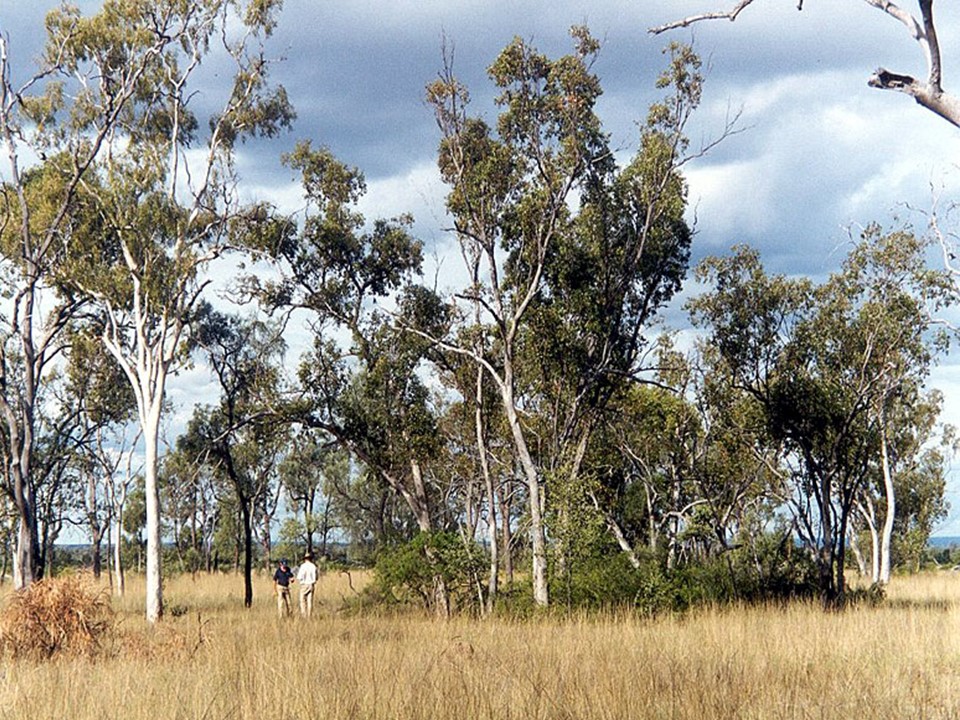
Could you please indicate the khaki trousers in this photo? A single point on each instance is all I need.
(283, 601)
(306, 600)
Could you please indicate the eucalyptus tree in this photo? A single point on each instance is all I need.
(824, 363)
(565, 293)
(97, 389)
(905, 494)
(921, 486)
(889, 297)
(240, 438)
(310, 469)
(164, 183)
(361, 381)
(44, 228)
(52, 115)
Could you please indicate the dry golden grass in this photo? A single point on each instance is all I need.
(217, 660)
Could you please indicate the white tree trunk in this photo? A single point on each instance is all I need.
(22, 575)
(154, 580)
(887, 533)
(538, 544)
(870, 516)
(853, 542)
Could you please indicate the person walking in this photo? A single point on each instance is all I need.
(281, 588)
(307, 577)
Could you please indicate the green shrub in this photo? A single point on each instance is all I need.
(409, 572)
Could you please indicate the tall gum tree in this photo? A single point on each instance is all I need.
(823, 362)
(563, 293)
(239, 438)
(167, 215)
(360, 381)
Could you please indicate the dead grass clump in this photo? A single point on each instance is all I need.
(162, 642)
(58, 616)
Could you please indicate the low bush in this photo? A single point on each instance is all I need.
(411, 570)
(56, 616)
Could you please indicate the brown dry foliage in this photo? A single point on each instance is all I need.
(56, 616)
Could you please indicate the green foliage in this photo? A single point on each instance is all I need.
(409, 572)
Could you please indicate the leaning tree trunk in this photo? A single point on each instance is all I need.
(538, 543)
(421, 509)
(26, 560)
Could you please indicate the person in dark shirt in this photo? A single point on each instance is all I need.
(281, 587)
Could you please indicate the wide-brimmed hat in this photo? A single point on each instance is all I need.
(308, 556)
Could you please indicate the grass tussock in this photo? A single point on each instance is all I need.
(56, 617)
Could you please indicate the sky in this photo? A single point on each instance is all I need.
(818, 156)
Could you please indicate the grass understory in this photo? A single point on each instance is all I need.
(217, 660)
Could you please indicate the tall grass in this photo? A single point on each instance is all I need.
(218, 660)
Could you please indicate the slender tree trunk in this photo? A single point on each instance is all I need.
(673, 524)
(506, 539)
(247, 552)
(26, 561)
(869, 515)
(538, 543)
(618, 535)
(891, 510)
(825, 554)
(154, 580)
(854, 545)
(119, 502)
(651, 519)
(96, 532)
(491, 496)
(96, 541)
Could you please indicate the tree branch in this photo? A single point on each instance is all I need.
(929, 94)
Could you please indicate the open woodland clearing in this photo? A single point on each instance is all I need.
(216, 660)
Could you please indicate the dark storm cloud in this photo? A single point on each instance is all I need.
(820, 154)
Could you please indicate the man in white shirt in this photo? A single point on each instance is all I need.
(307, 578)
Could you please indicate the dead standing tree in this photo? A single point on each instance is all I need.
(927, 92)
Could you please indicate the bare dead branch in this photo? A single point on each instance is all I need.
(927, 93)
(730, 15)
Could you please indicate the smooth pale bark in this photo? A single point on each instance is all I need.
(854, 544)
(870, 516)
(147, 371)
(538, 543)
(154, 577)
(886, 535)
(38, 331)
(617, 533)
(928, 93)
